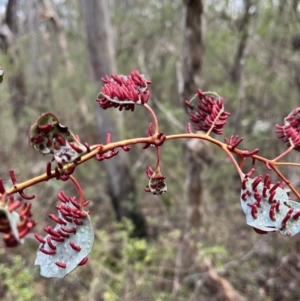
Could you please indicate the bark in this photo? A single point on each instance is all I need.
(193, 15)
(198, 156)
(197, 151)
(8, 34)
(295, 9)
(242, 46)
(295, 43)
(121, 185)
(50, 14)
(297, 77)
(11, 16)
(31, 9)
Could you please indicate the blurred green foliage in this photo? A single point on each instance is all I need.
(16, 280)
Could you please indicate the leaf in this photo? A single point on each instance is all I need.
(265, 215)
(47, 136)
(157, 184)
(13, 219)
(64, 253)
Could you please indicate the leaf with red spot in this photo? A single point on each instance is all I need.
(48, 136)
(70, 252)
(268, 211)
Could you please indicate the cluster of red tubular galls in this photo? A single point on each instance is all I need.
(121, 91)
(290, 131)
(207, 112)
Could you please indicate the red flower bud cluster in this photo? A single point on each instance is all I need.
(233, 141)
(16, 215)
(289, 133)
(208, 112)
(121, 91)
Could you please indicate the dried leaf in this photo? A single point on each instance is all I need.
(47, 136)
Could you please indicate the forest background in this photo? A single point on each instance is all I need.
(193, 242)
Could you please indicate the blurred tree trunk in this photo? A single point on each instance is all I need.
(9, 33)
(55, 34)
(193, 14)
(50, 14)
(239, 59)
(198, 154)
(37, 95)
(31, 10)
(237, 74)
(121, 185)
(295, 42)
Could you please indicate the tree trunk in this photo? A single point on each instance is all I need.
(237, 74)
(239, 62)
(197, 151)
(50, 14)
(8, 34)
(193, 14)
(11, 16)
(121, 186)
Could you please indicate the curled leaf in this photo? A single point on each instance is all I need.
(157, 184)
(48, 136)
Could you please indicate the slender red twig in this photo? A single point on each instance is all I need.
(81, 199)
